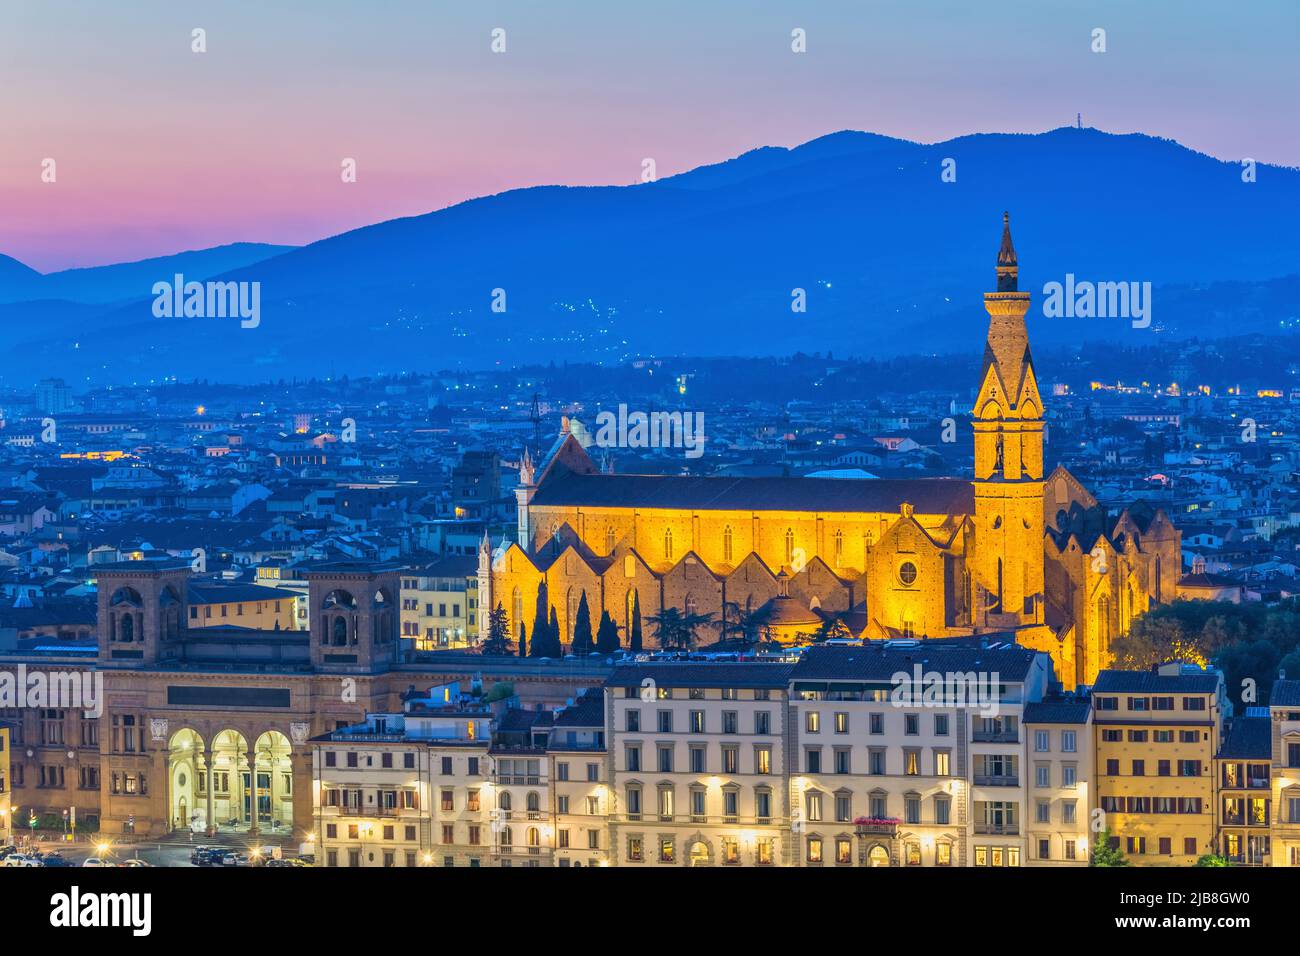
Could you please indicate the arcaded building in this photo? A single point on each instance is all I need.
(210, 726)
(1013, 550)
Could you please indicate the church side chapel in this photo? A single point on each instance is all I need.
(1013, 552)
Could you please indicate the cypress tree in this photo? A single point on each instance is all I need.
(634, 639)
(523, 640)
(540, 622)
(607, 634)
(582, 643)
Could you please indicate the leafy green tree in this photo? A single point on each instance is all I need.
(606, 634)
(1212, 859)
(832, 627)
(675, 629)
(748, 626)
(497, 641)
(582, 642)
(1103, 854)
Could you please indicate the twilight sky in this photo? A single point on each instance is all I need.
(160, 149)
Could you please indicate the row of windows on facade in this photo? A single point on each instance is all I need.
(985, 727)
(412, 604)
(389, 859)
(128, 733)
(728, 545)
(1164, 768)
(393, 799)
(54, 777)
(225, 608)
(1141, 704)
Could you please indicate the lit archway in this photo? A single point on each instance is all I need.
(274, 783)
(186, 782)
(230, 782)
(878, 856)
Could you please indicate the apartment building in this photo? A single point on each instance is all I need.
(1058, 735)
(523, 825)
(884, 777)
(1284, 740)
(225, 604)
(439, 604)
(1156, 736)
(580, 782)
(834, 761)
(698, 765)
(1244, 802)
(405, 789)
(6, 807)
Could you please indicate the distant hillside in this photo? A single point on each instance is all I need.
(892, 258)
(127, 280)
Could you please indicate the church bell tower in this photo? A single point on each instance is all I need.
(1007, 564)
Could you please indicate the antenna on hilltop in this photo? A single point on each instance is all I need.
(535, 416)
(1078, 120)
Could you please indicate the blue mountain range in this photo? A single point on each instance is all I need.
(890, 253)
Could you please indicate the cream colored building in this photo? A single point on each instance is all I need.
(1244, 792)
(1284, 718)
(698, 761)
(6, 806)
(885, 779)
(439, 604)
(1059, 771)
(580, 783)
(406, 789)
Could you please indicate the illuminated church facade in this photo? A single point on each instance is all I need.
(1013, 552)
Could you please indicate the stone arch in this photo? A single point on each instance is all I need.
(383, 618)
(227, 779)
(338, 618)
(272, 762)
(126, 616)
(698, 850)
(169, 614)
(186, 800)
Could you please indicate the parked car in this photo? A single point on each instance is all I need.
(20, 859)
(55, 858)
(135, 863)
(231, 858)
(95, 861)
(207, 855)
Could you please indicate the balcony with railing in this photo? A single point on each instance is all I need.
(1000, 829)
(996, 780)
(998, 735)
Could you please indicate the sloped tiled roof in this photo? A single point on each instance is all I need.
(1249, 738)
(757, 674)
(1150, 682)
(1058, 712)
(879, 662)
(1286, 693)
(926, 495)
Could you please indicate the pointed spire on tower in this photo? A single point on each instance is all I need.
(1008, 267)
